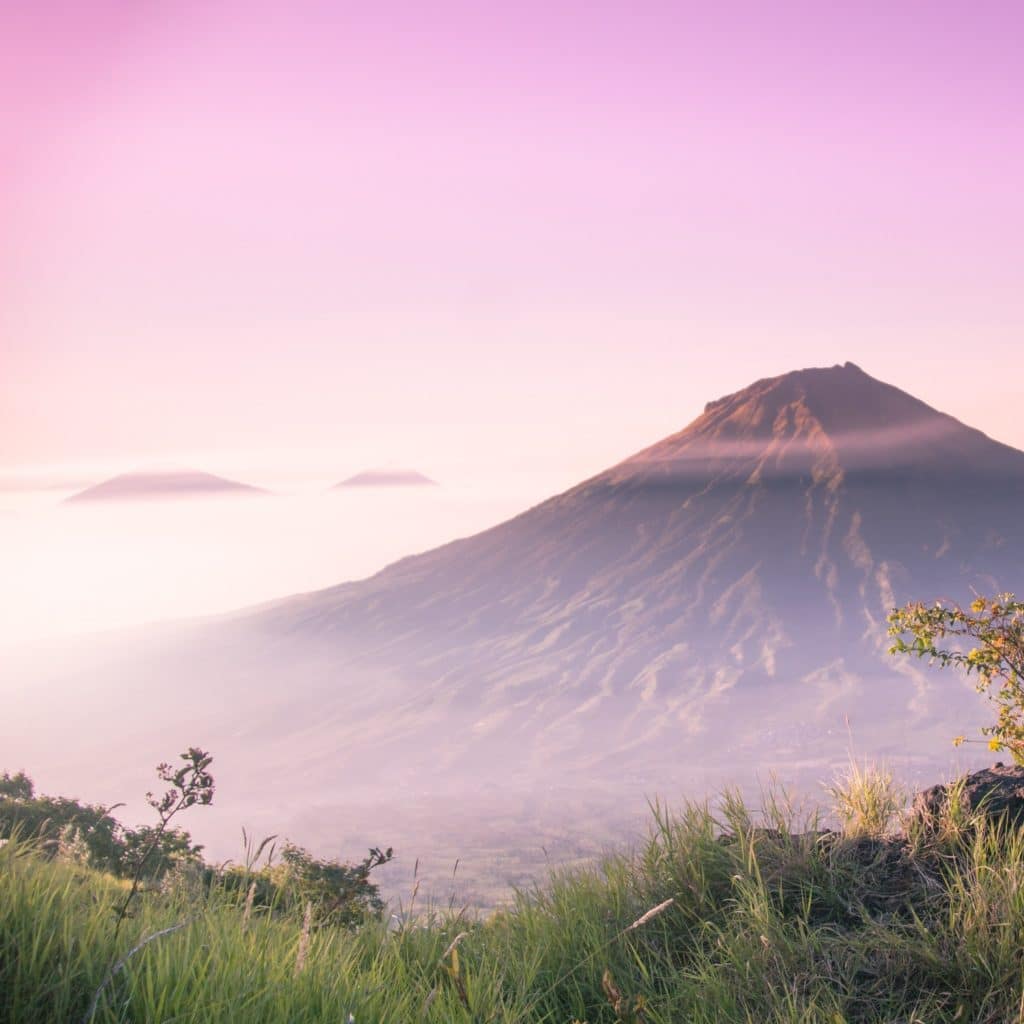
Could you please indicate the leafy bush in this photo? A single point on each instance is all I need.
(48, 819)
(16, 787)
(340, 894)
(88, 835)
(987, 641)
(58, 823)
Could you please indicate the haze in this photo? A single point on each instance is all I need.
(74, 569)
(507, 248)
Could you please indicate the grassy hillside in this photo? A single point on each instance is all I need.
(772, 922)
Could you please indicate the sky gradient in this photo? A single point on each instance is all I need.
(316, 237)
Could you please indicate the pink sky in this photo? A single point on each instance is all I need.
(259, 236)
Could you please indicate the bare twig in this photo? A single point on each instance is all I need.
(191, 784)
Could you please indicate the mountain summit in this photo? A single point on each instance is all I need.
(825, 420)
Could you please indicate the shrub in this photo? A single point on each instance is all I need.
(48, 819)
(987, 641)
(341, 894)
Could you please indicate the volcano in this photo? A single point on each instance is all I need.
(722, 591)
(718, 601)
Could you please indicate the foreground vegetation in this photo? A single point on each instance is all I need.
(766, 922)
(721, 916)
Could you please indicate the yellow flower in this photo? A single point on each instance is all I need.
(994, 744)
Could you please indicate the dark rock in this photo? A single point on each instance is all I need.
(883, 876)
(995, 792)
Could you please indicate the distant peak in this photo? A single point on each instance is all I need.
(388, 478)
(163, 482)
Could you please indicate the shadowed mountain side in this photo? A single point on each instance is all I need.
(144, 485)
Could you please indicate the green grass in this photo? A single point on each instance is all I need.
(770, 924)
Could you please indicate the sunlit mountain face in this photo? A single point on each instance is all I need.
(713, 607)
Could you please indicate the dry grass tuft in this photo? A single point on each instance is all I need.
(867, 800)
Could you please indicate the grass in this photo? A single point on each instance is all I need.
(771, 921)
(867, 799)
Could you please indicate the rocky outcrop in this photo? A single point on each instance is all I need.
(996, 793)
